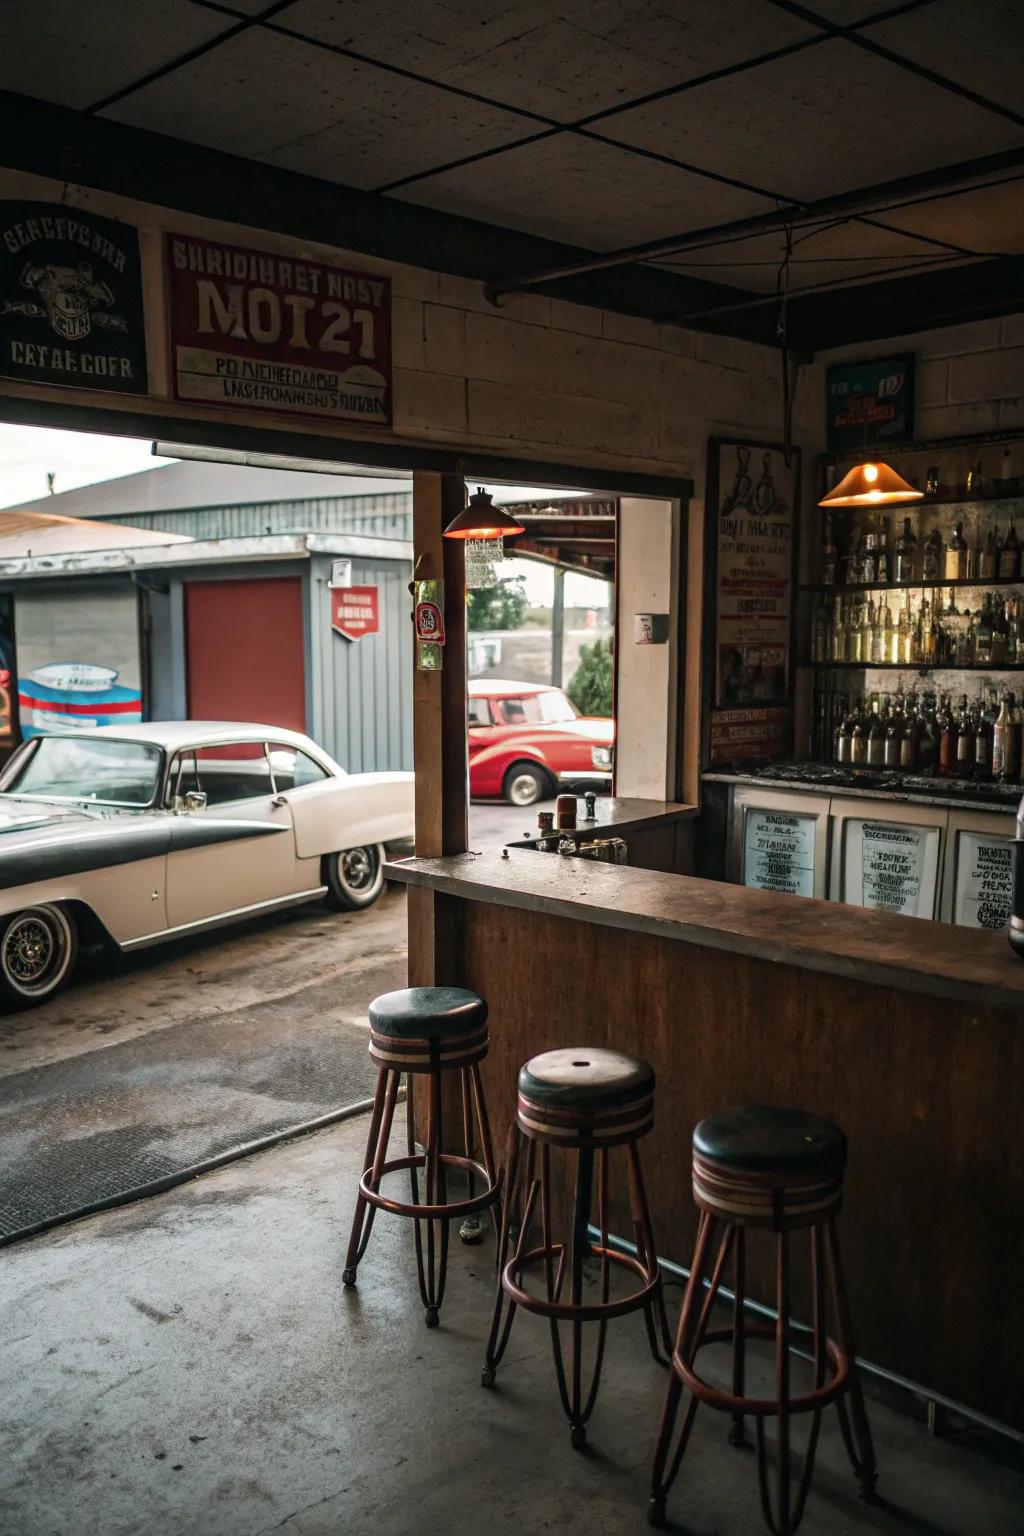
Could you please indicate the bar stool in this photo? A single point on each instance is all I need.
(425, 1031)
(587, 1101)
(780, 1170)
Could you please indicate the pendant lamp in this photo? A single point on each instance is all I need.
(481, 519)
(869, 485)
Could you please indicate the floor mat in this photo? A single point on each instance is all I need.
(113, 1123)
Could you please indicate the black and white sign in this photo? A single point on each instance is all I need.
(984, 880)
(778, 852)
(892, 867)
(70, 299)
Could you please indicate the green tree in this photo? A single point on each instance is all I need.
(499, 607)
(590, 687)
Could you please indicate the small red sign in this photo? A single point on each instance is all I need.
(355, 611)
(429, 623)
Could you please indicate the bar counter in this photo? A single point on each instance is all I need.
(910, 1034)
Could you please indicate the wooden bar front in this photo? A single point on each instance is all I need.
(925, 1085)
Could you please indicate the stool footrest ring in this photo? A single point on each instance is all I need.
(564, 1310)
(760, 1407)
(430, 1212)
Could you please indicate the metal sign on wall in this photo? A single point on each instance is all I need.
(355, 611)
(870, 403)
(268, 332)
(70, 299)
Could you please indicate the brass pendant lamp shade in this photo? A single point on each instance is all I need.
(870, 485)
(481, 519)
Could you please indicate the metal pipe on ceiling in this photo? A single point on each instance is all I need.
(865, 200)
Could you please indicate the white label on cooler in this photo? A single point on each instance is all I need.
(779, 852)
(984, 880)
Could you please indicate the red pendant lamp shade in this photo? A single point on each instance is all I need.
(481, 519)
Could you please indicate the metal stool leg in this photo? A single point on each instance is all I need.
(518, 1178)
(855, 1428)
(737, 1435)
(432, 1278)
(376, 1144)
(655, 1317)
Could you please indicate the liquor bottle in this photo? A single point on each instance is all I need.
(867, 627)
(859, 742)
(988, 568)
(974, 484)
(906, 547)
(928, 742)
(883, 562)
(1009, 555)
(1015, 742)
(931, 483)
(908, 743)
(956, 556)
(965, 642)
(1002, 734)
(1000, 635)
(1007, 482)
(876, 740)
(948, 742)
(853, 632)
(838, 636)
(1014, 651)
(983, 748)
(983, 636)
(828, 554)
(965, 742)
(932, 558)
(893, 732)
(844, 740)
(907, 635)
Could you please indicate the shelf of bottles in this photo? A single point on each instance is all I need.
(928, 587)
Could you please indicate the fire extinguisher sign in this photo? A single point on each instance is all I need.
(355, 611)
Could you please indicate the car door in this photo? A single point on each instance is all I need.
(228, 868)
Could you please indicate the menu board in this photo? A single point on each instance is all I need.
(778, 852)
(891, 867)
(984, 880)
(753, 497)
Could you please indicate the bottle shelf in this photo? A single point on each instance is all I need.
(907, 508)
(913, 666)
(912, 586)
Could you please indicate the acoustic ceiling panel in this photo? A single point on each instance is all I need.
(977, 45)
(817, 123)
(274, 99)
(586, 193)
(76, 55)
(583, 56)
(989, 220)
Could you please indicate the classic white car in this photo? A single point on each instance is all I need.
(140, 833)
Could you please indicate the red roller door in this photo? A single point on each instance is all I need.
(245, 653)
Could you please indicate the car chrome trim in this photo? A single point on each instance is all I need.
(237, 914)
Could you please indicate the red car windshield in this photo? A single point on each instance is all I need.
(550, 708)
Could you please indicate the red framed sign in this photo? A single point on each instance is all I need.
(277, 333)
(355, 611)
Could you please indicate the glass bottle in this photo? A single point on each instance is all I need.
(1000, 635)
(928, 741)
(931, 483)
(906, 546)
(1014, 742)
(983, 747)
(1002, 731)
(956, 556)
(931, 569)
(988, 568)
(948, 742)
(974, 484)
(867, 626)
(983, 636)
(965, 743)
(1009, 555)
(906, 635)
(844, 740)
(908, 743)
(859, 740)
(876, 740)
(893, 732)
(853, 632)
(838, 636)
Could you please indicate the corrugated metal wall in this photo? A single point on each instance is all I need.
(360, 691)
(385, 517)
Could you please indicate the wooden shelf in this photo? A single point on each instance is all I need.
(912, 586)
(912, 666)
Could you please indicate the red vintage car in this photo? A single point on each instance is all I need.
(527, 740)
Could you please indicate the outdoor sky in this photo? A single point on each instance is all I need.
(29, 454)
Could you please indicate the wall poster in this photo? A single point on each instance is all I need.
(891, 867)
(70, 299)
(277, 333)
(79, 660)
(752, 521)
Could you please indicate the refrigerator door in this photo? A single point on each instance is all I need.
(977, 885)
(779, 841)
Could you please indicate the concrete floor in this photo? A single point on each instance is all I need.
(192, 1364)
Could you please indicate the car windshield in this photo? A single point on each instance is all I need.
(84, 768)
(548, 708)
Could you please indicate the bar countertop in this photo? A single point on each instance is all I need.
(931, 958)
(615, 816)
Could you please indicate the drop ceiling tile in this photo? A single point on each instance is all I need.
(989, 220)
(820, 122)
(846, 13)
(588, 194)
(588, 56)
(65, 52)
(825, 254)
(290, 104)
(980, 45)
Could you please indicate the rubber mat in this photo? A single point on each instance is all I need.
(101, 1127)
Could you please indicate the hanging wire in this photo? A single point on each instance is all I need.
(782, 282)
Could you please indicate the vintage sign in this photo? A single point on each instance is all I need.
(778, 852)
(892, 867)
(70, 299)
(355, 611)
(753, 496)
(984, 880)
(428, 619)
(79, 662)
(269, 332)
(870, 402)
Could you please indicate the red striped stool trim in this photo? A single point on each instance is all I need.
(588, 1127)
(404, 1055)
(765, 1199)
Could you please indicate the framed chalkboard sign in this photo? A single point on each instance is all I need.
(869, 403)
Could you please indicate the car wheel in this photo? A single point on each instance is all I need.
(38, 947)
(525, 785)
(354, 878)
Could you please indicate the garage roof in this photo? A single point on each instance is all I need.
(889, 138)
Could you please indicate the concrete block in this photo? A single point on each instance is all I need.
(956, 420)
(415, 283)
(1011, 330)
(931, 381)
(407, 349)
(642, 333)
(732, 352)
(987, 375)
(464, 293)
(944, 341)
(578, 318)
(528, 356)
(444, 332)
(674, 338)
(429, 401)
(530, 416)
(1011, 413)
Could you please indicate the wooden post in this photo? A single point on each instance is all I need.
(558, 628)
(439, 726)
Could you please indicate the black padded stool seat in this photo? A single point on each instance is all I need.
(427, 1013)
(767, 1139)
(579, 1077)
